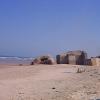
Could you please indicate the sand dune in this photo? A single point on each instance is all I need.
(49, 82)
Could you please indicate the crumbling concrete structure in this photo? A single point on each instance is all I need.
(94, 61)
(44, 60)
(72, 57)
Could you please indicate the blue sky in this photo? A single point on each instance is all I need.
(38, 27)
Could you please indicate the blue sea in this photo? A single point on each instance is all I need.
(15, 60)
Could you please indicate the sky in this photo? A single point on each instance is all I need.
(31, 28)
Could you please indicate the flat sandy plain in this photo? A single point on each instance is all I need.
(49, 82)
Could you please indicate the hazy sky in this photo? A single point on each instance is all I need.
(37, 27)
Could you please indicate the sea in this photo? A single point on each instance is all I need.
(15, 60)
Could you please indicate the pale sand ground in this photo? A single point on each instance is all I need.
(49, 82)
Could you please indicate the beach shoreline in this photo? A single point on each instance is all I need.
(48, 82)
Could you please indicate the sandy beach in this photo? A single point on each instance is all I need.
(49, 82)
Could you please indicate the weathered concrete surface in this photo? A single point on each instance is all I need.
(44, 60)
(72, 57)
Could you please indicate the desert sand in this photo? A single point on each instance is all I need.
(49, 82)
